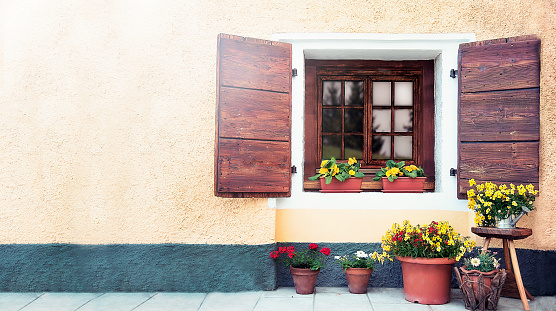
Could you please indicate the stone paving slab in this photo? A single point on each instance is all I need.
(116, 301)
(173, 302)
(16, 301)
(60, 301)
(230, 301)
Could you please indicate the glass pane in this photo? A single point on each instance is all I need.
(382, 94)
(403, 94)
(403, 147)
(331, 93)
(353, 122)
(381, 147)
(354, 93)
(331, 146)
(381, 120)
(353, 146)
(332, 120)
(403, 120)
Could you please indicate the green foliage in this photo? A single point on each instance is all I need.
(310, 258)
(484, 262)
(360, 259)
(339, 170)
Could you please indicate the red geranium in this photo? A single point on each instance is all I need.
(313, 246)
(325, 250)
(307, 259)
(274, 254)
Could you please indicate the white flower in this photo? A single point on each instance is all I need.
(496, 263)
(361, 254)
(336, 257)
(475, 262)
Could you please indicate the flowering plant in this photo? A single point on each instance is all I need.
(394, 170)
(436, 240)
(342, 171)
(360, 259)
(310, 258)
(490, 201)
(484, 262)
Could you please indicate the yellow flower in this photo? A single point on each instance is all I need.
(352, 161)
(470, 193)
(323, 163)
(335, 170)
(472, 182)
(514, 203)
(395, 170)
(408, 168)
(351, 172)
(323, 170)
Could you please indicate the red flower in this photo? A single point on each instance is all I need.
(325, 251)
(290, 249)
(291, 254)
(313, 246)
(282, 250)
(274, 254)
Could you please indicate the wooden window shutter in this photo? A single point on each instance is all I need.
(498, 126)
(253, 118)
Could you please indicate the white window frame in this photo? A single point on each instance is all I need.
(443, 49)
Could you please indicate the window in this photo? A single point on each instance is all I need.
(371, 110)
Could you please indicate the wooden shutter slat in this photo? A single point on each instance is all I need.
(253, 118)
(504, 66)
(498, 104)
(259, 107)
(500, 116)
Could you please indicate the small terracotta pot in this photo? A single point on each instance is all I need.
(427, 280)
(352, 184)
(474, 277)
(358, 279)
(304, 280)
(404, 184)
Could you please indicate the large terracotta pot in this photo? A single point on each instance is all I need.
(352, 184)
(304, 280)
(358, 279)
(474, 278)
(427, 280)
(404, 184)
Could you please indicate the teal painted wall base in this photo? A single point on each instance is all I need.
(136, 268)
(201, 268)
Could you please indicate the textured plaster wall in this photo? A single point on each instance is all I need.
(107, 110)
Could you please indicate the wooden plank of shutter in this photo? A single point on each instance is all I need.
(253, 118)
(498, 103)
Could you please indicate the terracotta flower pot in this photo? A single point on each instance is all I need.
(358, 279)
(352, 184)
(427, 280)
(404, 184)
(474, 278)
(304, 280)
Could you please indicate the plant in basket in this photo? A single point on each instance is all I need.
(337, 176)
(304, 265)
(358, 269)
(398, 177)
(500, 205)
(427, 254)
(481, 281)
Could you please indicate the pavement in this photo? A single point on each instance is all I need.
(282, 299)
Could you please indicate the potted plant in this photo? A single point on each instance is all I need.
(500, 205)
(481, 281)
(304, 265)
(427, 254)
(398, 177)
(358, 269)
(337, 176)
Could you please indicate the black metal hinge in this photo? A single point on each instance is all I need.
(453, 73)
(453, 172)
(294, 72)
(294, 169)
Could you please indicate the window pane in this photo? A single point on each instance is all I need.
(403, 120)
(382, 94)
(353, 122)
(331, 93)
(403, 148)
(354, 93)
(381, 120)
(332, 120)
(403, 94)
(353, 146)
(381, 147)
(331, 146)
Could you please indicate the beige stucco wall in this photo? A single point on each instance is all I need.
(107, 110)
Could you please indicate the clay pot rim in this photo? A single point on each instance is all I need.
(427, 261)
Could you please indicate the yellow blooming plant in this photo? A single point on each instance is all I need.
(436, 240)
(394, 170)
(490, 201)
(341, 171)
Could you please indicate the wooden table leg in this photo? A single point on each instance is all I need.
(507, 259)
(487, 242)
(518, 279)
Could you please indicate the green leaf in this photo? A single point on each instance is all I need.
(340, 177)
(391, 178)
(400, 164)
(413, 174)
(390, 163)
(359, 174)
(315, 177)
(376, 178)
(328, 179)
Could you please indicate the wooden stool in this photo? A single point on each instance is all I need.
(513, 278)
